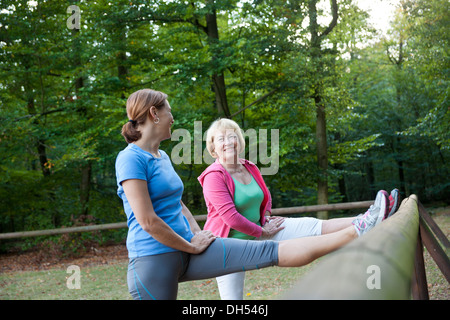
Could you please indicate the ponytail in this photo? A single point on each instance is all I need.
(130, 132)
(138, 106)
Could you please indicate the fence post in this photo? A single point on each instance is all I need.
(419, 286)
(435, 250)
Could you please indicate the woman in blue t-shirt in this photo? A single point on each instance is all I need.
(165, 244)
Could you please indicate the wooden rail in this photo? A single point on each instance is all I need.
(429, 234)
(119, 225)
(51, 232)
(386, 263)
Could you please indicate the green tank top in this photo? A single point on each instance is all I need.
(247, 199)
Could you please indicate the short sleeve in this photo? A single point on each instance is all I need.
(130, 165)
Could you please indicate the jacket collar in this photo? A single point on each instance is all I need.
(217, 167)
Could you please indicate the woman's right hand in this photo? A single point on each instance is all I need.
(201, 240)
(272, 226)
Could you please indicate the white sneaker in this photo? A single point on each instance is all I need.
(376, 213)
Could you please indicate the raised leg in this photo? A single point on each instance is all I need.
(301, 251)
(334, 225)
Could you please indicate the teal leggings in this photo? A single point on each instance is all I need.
(156, 277)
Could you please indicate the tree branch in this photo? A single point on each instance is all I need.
(334, 11)
(255, 102)
(144, 16)
(35, 115)
(391, 58)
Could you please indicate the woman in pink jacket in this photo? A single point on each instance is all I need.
(239, 203)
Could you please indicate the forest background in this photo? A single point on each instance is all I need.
(355, 111)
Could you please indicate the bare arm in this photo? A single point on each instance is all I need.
(195, 228)
(136, 192)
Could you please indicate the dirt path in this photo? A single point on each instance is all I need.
(40, 260)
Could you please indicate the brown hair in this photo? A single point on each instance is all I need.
(138, 107)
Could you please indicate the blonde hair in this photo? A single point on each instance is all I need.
(221, 125)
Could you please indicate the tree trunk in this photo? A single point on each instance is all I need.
(40, 143)
(31, 108)
(122, 68)
(85, 187)
(86, 166)
(218, 78)
(322, 157)
(370, 174)
(321, 126)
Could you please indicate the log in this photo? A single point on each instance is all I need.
(323, 207)
(314, 208)
(50, 232)
(378, 265)
(277, 211)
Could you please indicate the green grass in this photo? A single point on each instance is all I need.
(263, 284)
(97, 283)
(108, 282)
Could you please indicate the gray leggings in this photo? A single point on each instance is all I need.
(156, 277)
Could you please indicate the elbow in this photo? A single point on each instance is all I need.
(148, 225)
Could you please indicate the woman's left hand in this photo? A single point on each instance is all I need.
(201, 240)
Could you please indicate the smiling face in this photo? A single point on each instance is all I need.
(165, 121)
(224, 140)
(226, 146)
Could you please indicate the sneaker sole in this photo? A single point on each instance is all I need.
(396, 196)
(383, 198)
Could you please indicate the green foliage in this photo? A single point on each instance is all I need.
(64, 93)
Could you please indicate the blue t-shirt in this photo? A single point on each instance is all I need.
(165, 189)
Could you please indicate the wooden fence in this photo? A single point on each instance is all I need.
(119, 225)
(386, 263)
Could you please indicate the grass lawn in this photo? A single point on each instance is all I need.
(108, 282)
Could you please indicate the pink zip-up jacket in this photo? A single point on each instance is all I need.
(218, 190)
